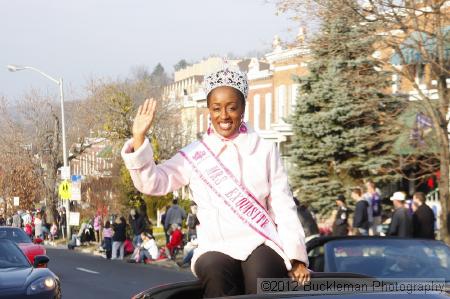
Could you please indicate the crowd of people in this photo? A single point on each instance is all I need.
(133, 237)
(35, 224)
(409, 218)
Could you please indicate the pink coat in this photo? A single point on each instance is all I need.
(253, 161)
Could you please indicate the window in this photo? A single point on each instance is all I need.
(256, 111)
(268, 106)
(281, 102)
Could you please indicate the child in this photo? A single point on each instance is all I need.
(107, 239)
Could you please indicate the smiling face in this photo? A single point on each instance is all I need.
(226, 106)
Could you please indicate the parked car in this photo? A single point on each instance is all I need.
(383, 257)
(21, 279)
(18, 236)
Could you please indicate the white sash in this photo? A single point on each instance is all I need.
(229, 191)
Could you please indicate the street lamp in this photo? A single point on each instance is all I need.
(16, 68)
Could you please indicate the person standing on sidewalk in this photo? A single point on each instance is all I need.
(423, 218)
(137, 223)
(16, 220)
(175, 215)
(373, 197)
(107, 239)
(340, 224)
(163, 223)
(360, 217)
(97, 226)
(401, 223)
(119, 237)
(62, 223)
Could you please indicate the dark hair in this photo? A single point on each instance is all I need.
(420, 196)
(175, 201)
(122, 219)
(241, 96)
(341, 197)
(107, 224)
(357, 190)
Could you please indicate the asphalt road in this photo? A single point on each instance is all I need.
(86, 276)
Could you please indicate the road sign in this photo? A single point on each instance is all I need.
(74, 219)
(65, 190)
(76, 190)
(65, 173)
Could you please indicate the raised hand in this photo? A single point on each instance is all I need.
(143, 121)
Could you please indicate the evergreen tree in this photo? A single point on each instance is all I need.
(339, 136)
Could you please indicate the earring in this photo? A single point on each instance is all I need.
(242, 127)
(209, 130)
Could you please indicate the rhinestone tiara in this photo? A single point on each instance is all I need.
(226, 77)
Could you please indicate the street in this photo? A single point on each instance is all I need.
(86, 276)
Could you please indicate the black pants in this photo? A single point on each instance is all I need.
(221, 275)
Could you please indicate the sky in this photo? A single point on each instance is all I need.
(87, 39)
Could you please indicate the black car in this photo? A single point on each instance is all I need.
(193, 290)
(381, 257)
(353, 260)
(20, 279)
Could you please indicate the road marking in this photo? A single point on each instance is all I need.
(87, 270)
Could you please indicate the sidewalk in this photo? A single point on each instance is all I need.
(93, 250)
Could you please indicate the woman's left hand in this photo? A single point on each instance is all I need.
(300, 272)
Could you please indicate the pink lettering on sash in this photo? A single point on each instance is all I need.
(234, 195)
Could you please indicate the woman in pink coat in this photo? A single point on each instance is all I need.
(249, 227)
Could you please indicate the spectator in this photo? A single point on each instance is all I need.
(107, 239)
(28, 230)
(163, 223)
(148, 250)
(2, 220)
(53, 231)
(307, 220)
(9, 220)
(62, 223)
(97, 226)
(401, 224)
(128, 247)
(373, 197)
(175, 215)
(340, 224)
(76, 239)
(176, 240)
(192, 222)
(17, 220)
(119, 237)
(137, 223)
(38, 232)
(423, 218)
(360, 217)
(188, 253)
